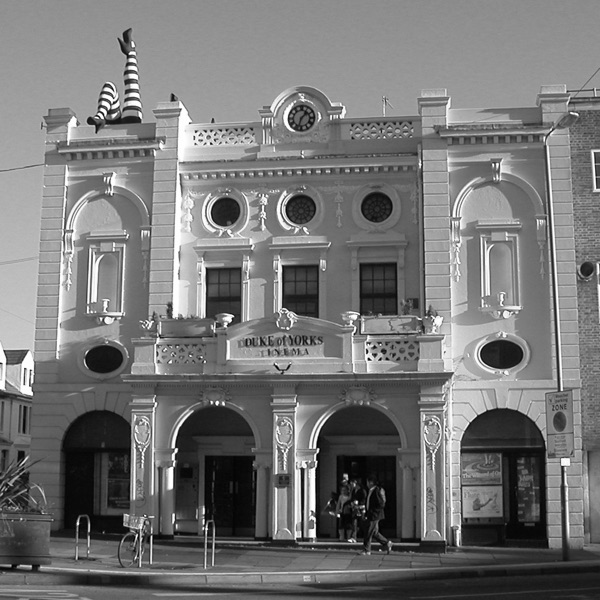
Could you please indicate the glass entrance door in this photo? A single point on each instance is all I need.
(526, 514)
(230, 494)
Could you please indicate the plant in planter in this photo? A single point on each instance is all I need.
(24, 519)
(432, 321)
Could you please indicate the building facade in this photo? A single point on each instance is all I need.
(16, 381)
(235, 317)
(585, 158)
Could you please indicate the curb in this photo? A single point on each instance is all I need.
(67, 576)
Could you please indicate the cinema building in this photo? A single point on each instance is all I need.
(232, 318)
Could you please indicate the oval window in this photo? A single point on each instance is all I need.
(501, 354)
(376, 207)
(300, 209)
(225, 212)
(103, 359)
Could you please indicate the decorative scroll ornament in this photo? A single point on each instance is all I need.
(68, 257)
(215, 396)
(262, 195)
(139, 490)
(188, 205)
(432, 436)
(284, 436)
(456, 244)
(540, 221)
(338, 197)
(109, 183)
(496, 164)
(358, 396)
(285, 319)
(142, 431)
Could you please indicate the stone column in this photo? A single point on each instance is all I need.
(165, 463)
(284, 462)
(307, 466)
(433, 464)
(263, 465)
(143, 413)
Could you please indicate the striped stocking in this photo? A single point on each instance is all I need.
(132, 102)
(109, 109)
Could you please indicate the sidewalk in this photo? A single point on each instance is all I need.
(180, 563)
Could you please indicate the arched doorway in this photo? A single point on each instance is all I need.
(503, 480)
(97, 470)
(215, 478)
(355, 442)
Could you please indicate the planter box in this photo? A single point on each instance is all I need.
(25, 539)
(390, 324)
(178, 328)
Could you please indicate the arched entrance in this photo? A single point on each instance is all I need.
(97, 470)
(214, 478)
(355, 442)
(503, 480)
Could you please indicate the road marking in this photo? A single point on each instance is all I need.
(29, 594)
(568, 591)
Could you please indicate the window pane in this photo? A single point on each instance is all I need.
(224, 292)
(301, 290)
(378, 289)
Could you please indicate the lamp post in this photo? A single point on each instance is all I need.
(564, 122)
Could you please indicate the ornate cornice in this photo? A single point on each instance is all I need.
(220, 172)
(109, 149)
(492, 133)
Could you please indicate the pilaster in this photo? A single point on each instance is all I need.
(171, 118)
(433, 405)
(165, 461)
(306, 463)
(284, 405)
(143, 416)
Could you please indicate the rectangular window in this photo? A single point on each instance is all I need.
(3, 460)
(301, 290)
(24, 426)
(378, 289)
(1, 415)
(224, 292)
(596, 169)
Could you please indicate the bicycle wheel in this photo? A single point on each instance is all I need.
(128, 550)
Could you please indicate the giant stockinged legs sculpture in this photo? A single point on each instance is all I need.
(109, 107)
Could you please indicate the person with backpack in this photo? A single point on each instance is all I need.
(374, 512)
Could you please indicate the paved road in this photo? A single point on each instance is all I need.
(584, 586)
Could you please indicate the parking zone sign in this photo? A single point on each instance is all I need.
(559, 422)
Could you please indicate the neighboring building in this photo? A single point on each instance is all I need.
(585, 157)
(310, 246)
(16, 380)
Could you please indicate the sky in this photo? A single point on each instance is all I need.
(226, 59)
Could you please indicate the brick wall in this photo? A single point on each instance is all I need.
(585, 136)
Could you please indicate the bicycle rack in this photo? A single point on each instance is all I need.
(77, 523)
(210, 523)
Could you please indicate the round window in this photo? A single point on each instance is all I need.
(300, 209)
(501, 354)
(103, 359)
(376, 207)
(225, 212)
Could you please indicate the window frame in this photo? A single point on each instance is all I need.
(383, 295)
(595, 160)
(298, 297)
(223, 299)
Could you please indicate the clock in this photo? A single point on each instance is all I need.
(301, 117)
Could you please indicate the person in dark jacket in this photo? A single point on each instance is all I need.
(374, 512)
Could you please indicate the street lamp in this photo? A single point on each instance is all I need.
(564, 122)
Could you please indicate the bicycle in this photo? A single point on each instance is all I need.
(133, 544)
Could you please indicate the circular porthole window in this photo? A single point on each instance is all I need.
(502, 354)
(104, 360)
(376, 207)
(300, 209)
(225, 212)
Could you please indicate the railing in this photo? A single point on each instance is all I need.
(210, 524)
(77, 523)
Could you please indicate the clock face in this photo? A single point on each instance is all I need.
(301, 117)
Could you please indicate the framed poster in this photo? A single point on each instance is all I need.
(482, 502)
(481, 468)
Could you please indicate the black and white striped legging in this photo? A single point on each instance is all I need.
(109, 105)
